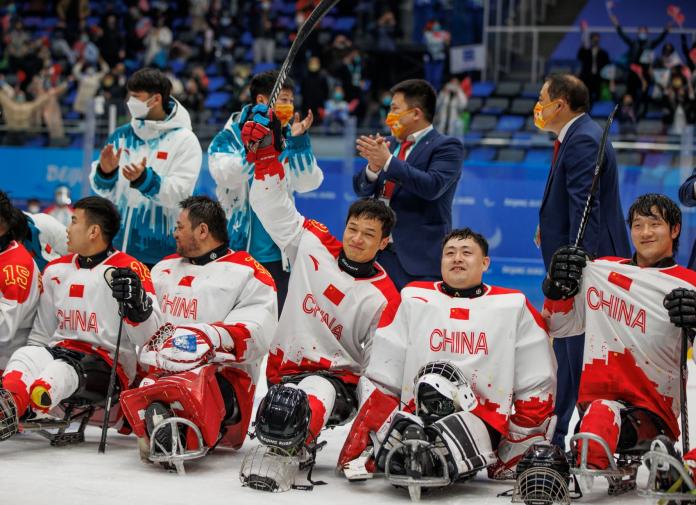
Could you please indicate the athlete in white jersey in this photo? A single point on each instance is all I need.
(629, 388)
(336, 296)
(223, 304)
(72, 343)
(20, 281)
(464, 366)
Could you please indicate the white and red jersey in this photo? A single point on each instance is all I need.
(234, 294)
(329, 317)
(77, 311)
(498, 340)
(631, 348)
(20, 284)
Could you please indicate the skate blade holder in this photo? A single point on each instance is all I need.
(60, 436)
(178, 453)
(659, 461)
(270, 469)
(621, 478)
(414, 484)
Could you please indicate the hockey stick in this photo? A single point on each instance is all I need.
(595, 179)
(684, 414)
(108, 276)
(307, 27)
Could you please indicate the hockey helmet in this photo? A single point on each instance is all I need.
(8, 415)
(283, 417)
(543, 475)
(440, 390)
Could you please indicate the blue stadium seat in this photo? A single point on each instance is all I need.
(482, 154)
(472, 137)
(483, 123)
(602, 109)
(510, 123)
(177, 66)
(495, 105)
(217, 100)
(482, 89)
(263, 67)
(211, 70)
(344, 24)
(539, 156)
(654, 160)
(247, 39)
(215, 83)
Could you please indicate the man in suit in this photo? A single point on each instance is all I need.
(687, 197)
(562, 109)
(415, 171)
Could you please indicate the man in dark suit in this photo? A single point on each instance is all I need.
(687, 197)
(562, 109)
(415, 171)
(592, 60)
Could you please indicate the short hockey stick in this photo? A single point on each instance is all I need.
(683, 372)
(595, 179)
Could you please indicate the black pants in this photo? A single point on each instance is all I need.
(281, 278)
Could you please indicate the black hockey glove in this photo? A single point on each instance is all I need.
(128, 291)
(681, 305)
(565, 273)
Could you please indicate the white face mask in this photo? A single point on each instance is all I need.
(138, 109)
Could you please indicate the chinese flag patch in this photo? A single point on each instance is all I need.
(187, 280)
(77, 290)
(620, 280)
(162, 155)
(334, 294)
(459, 313)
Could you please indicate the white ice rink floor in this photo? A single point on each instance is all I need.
(33, 472)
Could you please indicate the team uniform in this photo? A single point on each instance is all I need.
(77, 319)
(149, 205)
(227, 299)
(496, 340)
(327, 325)
(48, 239)
(20, 284)
(629, 388)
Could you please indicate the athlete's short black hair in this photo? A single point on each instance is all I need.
(13, 218)
(262, 84)
(151, 80)
(202, 209)
(373, 209)
(103, 213)
(418, 93)
(666, 209)
(464, 233)
(571, 89)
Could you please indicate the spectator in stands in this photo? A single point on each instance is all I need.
(61, 208)
(687, 197)
(562, 109)
(640, 59)
(678, 102)
(315, 89)
(349, 74)
(148, 166)
(689, 53)
(336, 111)
(114, 87)
(668, 57)
(22, 53)
(385, 33)
(626, 116)
(111, 41)
(233, 174)
(88, 83)
(264, 33)
(21, 114)
(451, 104)
(592, 60)
(415, 171)
(157, 43)
(51, 112)
(73, 15)
(437, 40)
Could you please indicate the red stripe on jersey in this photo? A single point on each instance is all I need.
(556, 306)
(422, 285)
(391, 295)
(77, 290)
(682, 273)
(620, 280)
(334, 295)
(277, 368)
(613, 259)
(239, 334)
(538, 319)
(332, 244)
(162, 155)
(186, 281)
(489, 412)
(123, 260)
(315, 262)
(68, 258)
(245, 259)
(459, 313)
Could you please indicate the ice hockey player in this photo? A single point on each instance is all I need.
(449, 370)
(72, 341)
(20, 281)
(233, 174)
(221, 310)
(629, 388)
(336, 296)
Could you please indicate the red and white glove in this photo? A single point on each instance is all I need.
(263, 142)
(512, 448)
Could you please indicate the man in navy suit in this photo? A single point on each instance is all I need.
(415, 171)
(687, 197)
(562, 109)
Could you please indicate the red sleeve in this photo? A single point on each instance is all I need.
(247, 260)
(322, 233)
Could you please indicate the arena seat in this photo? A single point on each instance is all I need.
(495, 105)
(482, 154)
(629, 158)
(511, 155)
(508, 89)
(217, 100)
(483, 122)
(510, 123)
(602, 109)
(474, 104)
(522, 106)
(482, 89)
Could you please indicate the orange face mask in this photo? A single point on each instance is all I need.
(392, 121)
(284, 112)
(539, 120)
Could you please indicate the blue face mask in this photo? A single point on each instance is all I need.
(386, 101)
(338, 96)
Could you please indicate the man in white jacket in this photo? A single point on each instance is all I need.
(148, 166)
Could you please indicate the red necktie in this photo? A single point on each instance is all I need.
(388, 189)
(556, 147)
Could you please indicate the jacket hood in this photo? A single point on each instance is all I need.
(148, 129)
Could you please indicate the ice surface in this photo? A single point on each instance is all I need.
(33, 472)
